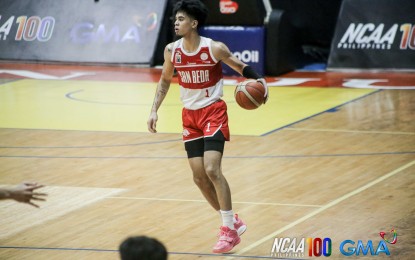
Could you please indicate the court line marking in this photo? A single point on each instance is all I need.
(320, 113)
(75, 198)
(288, 156)
(97, 250)
(327, 206)
(89, 146)
(43, 76)
(71, 96)
(204, 201)
(349, 131)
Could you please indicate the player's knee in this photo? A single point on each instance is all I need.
(200, 180)
(213, 172)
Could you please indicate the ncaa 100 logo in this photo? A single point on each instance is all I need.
(29, 28)
(293, 247)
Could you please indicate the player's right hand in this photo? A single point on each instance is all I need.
(152, 122)
(264, 83)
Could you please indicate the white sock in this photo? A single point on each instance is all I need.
(233, 218)
(227, 218)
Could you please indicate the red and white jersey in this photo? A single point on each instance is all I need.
(199, 73)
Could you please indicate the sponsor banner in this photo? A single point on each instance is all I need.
(235, 12)
(246, 43)
(80, 31)
(374, 34)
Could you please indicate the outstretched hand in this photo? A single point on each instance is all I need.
(25, 193)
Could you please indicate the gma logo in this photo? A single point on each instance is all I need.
(348, 248)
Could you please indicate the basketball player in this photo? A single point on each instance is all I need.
(205, 121)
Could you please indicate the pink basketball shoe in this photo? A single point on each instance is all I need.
(228, 239)
(239, 225)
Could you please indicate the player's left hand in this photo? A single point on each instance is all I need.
(264, 83)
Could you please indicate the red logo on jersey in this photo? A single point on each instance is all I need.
(178, 57)
(228, 6)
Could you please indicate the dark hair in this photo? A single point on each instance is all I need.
(142, 248)
(194, 8)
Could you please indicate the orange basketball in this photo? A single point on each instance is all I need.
(249, 94)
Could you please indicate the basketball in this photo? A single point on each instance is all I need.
(249, 94)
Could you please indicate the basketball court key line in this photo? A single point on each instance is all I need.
(116, 251)
(320, 113)
(90, 146)
(75, 198)
(327, 206)
(288, 156)
(350, 131)
(204, 201)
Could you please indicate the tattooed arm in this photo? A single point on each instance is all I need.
(162, 88)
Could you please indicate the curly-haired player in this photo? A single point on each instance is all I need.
(198, 61)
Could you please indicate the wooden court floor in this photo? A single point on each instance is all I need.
(344, 173)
